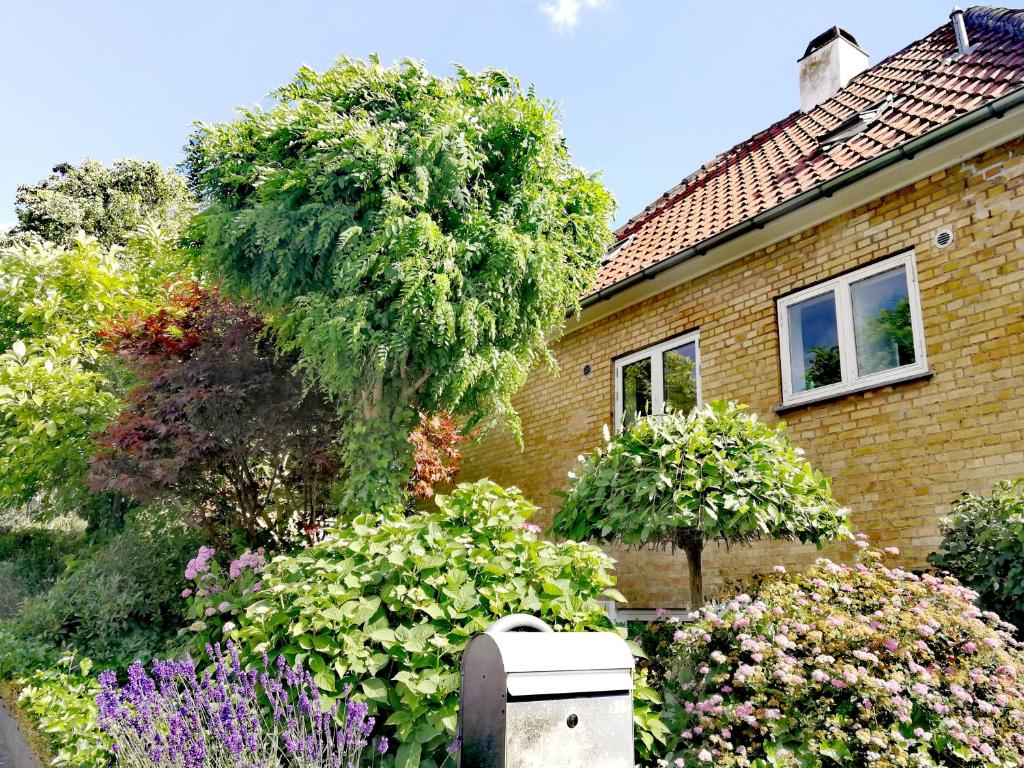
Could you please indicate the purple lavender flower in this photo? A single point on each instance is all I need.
(176, 717)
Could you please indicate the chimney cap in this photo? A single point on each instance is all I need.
(826, 37)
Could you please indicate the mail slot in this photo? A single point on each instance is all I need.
(534, 698)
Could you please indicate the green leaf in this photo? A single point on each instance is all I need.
(408, 755)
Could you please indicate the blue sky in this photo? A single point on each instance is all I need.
(648, 90)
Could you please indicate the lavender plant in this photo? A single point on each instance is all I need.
(274, 716)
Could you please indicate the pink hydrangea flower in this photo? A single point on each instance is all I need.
(200, 563)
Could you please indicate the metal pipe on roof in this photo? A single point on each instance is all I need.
(993, 110)
(963, 42)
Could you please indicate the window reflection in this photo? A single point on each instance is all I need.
(679, 366)
(814, 343)
(883, 331)
(636, 390)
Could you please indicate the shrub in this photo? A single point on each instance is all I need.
(388, 604)
(31, 559)
(983, 547)
(228, 717)
(20, 656)
(685, 479)
(848, 666)
(61, 701)
(120, 600)
(221, 420)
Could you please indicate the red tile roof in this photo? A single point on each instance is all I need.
(928, 87)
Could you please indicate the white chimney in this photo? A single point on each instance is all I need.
(831, 60)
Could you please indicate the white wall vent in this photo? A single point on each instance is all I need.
(943, 238)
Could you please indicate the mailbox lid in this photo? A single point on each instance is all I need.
(562, 652)
(522, 684)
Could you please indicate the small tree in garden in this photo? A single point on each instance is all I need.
(684, 480)
(221, 420)
(422, 237)
(436, 457)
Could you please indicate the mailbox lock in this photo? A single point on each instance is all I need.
(572, 721)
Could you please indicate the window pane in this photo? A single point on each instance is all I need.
(814, 343)
(636, 390)
(679, 366)
(881, 322)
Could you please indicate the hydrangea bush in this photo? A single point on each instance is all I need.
(863, 665)
(177, 715)
(216, 594)
(389, 603)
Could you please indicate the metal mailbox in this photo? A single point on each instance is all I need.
(534, 698)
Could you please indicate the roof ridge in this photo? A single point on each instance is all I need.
(712, 169)
(1008, 21)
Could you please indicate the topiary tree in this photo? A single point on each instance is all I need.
(682, 480)
(421, 237)
(110, 203)
(983, 546)
(847, 666)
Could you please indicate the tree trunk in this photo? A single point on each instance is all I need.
(692, 544)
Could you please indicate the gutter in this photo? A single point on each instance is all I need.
(993, 110)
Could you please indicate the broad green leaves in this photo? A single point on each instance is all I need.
(717, 473)
(983, 546)
(424, 238)
(388, 605)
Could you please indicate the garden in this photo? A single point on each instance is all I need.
(233, 403)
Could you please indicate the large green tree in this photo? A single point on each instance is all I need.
(110, 203)
(684, 479)
(421, 239)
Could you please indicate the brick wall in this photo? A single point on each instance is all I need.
(898, 455)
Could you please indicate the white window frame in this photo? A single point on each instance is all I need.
(841, 288)
(657, 372)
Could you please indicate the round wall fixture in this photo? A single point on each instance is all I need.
(587, 369)
(943, 238)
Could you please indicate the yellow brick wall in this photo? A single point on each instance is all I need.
(898, 455)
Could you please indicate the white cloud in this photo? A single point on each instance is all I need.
(565, 14)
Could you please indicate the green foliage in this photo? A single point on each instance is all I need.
(120, 599)
(886, 339)
(423, 237)
(31, 559)
(61, 701)
(57, 389)
(685, 479)
(388, 604)
(983, 547)
(110, 203)
(824, 367)
(20, 656)
(860, 665)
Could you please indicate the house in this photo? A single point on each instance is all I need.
(856, 269)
